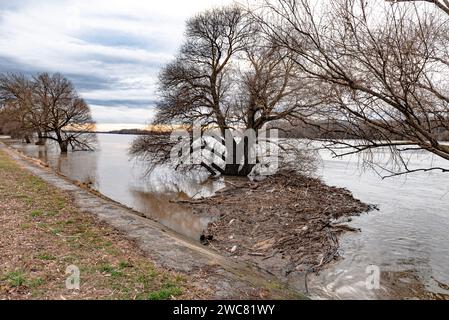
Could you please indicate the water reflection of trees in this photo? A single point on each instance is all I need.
(160, 207)
(192, 183)
(81, 167)
(78, 166)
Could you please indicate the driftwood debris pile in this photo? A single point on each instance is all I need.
(284, 223)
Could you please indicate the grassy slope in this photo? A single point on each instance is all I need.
(42, 233)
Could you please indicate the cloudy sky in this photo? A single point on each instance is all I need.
(111, 49)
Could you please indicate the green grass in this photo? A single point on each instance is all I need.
(164, 294)
(36, 213)
(111, 270)
(19, 278)
(154, 285)
(105, 268)
(15, 278)
(45, 256)
(52, 213)
(6, 163)
(168, 290)
(25, 226)
(36, 184)
(60, 203)
(35, 283)
(124, 265)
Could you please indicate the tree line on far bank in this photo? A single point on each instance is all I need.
(332, 130)
(45, 106)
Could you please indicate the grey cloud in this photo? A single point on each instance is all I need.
(89, 82)
(108, 37)
(8, 64)
(123, 102)
(82, 82)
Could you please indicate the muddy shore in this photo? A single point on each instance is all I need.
(284, 223)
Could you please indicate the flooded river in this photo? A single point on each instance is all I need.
(407, 239)
(110, 171)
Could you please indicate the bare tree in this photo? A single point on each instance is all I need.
(17, 114)
(47, 106)
(380, 67)
(271, 87)
(226, 76)
(441, 4)
(63, 115)
(196, 87)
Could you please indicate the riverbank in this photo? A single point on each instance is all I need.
(407, 237)
(43, 233)
(284, 223)
(99, 236)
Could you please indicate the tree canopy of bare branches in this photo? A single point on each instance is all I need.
(382, 69)
(17, 110)
(441, 4)
(47, 106)
(228, 76)
(197, 85)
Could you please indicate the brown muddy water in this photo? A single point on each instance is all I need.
(407, 239)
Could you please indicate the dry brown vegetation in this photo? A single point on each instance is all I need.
(43, 233)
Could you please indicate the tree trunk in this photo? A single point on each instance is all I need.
(64, 146)
(40, 139)
(27, 139)
(240, 166)
(238, 170)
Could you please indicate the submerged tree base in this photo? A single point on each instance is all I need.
(284, 223)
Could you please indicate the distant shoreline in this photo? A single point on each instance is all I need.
(124, 133)
(136, 132)
(131, 132)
